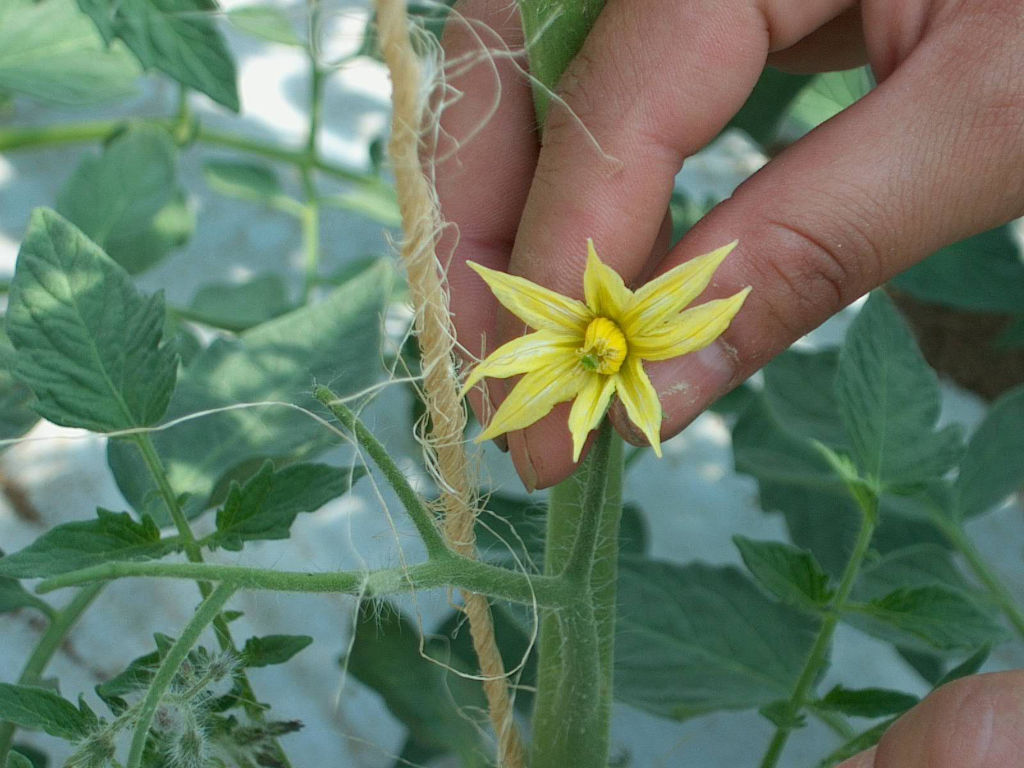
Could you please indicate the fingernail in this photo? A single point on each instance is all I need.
(624, 425)
(689, 384)
(522, 461)
(863, 760)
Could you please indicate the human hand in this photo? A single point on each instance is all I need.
(934, 154)
(974, 722)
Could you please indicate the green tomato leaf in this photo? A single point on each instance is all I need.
(265, 21)
(50, 51)
(511, 531)
(795, 479)
(239, 306)
(267, 505)
(917, 565)
(272, 649)
(790, 573)
(17, 760)
(968, 666)
(14, 596)
(867, 702)
(889, 401)
(88, 344)
(932, 617)
(799, 389)
(860, 742)
(178, 37)
(993, 466)
(984, 273)
(16, 414)
(128, 199)
(336, 340)
(694, 639)
(70, 546)
(242, 180)
(386, 655)
(41, 709)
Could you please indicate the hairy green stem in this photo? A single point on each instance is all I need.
(555, 31)
(818, 656)
(958, 537)
(61, 623)
(35, 137)
(193, 551)
(421, 516)
(208, 610)
(311, 209)
(447, 570)
(574, 681)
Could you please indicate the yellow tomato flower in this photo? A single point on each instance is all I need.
(595, 349)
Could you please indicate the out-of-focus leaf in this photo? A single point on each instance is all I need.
(1012, 337)
(272, 649)
(44, 710)
(767, 104)
(888, 399)
(17, 760)
(80, 544)
(240, 306)
(265, 21)
(14, 596)
(928, 617)
(334, 341)
(694, 639)
(968, 666)
(867, 702)
(825, 97)
(993, 466)
(984, 273)
(267, 505)
(433, 703)
(860, 742)
(88, 343)
(376, 201)
(790, 573)
(128, 199)
(243, 180)
(178, 37)
(50, 51)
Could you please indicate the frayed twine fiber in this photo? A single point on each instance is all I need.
(421, 222)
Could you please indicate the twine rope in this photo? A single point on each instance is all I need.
(421, 221)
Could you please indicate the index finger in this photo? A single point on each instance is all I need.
(654, 82)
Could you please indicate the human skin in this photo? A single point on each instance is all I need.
(975, 722)
(934, 154)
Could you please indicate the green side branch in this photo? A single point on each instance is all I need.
(60, 624)
(421, 517)
(453, 570)
(205, 614)
(817, 658)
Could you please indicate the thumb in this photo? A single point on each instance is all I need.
(926, 159)
(974, 722)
